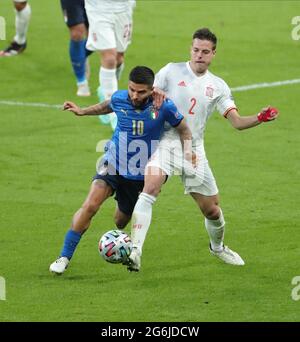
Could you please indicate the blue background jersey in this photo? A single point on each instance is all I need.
(137, 133)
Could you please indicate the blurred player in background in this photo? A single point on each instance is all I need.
(197, 93)
(110, 33)
(76, 20)
(19, 43)
(121, 170)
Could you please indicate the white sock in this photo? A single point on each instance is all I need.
(215, 230)
(119, 71)
(141, 219)
(108, 82)
(22, 23)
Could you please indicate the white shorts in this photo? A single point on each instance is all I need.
(20, 0)
(169, 158)
(109, 30)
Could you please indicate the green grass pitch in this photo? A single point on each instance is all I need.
(47, 159)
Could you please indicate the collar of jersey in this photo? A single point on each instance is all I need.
(192, 72)
(145, 106)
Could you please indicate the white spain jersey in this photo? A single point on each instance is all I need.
(109, 6)
(196, 97)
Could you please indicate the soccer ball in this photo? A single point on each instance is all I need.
(115, 246)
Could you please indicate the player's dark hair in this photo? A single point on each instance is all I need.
(142, 75)
(206, 34)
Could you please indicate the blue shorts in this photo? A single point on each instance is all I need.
(74, 12)
(126, 191)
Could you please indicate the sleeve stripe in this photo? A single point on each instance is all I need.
(227, 111)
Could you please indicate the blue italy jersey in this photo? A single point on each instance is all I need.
(137, 133)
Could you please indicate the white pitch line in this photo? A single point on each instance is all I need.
(265, 85)
(29, 104)
(236, 89)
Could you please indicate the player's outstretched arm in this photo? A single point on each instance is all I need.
(72, 107)
(185, 135)
(98, 109)
(243, 122)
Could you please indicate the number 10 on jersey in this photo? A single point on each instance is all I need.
(137, 127)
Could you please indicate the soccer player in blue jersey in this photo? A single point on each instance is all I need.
(121, 171)
(77, 22)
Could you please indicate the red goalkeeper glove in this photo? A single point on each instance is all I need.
(267, 114)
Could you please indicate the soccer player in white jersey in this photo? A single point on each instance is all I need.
(196, 93)
(110, 29)
(23, 14)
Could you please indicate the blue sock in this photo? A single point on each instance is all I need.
(78, 56)
(71, 241)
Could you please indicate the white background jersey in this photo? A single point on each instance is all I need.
(109, 6)
(196, 97)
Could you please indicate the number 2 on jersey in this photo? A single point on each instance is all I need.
(193, 101)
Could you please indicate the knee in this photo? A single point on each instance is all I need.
(77, 32)
(120, 222)
(19, 6)
(91, 208)
(109, 59)
(151, 189)
(120, 59)
(212, 212)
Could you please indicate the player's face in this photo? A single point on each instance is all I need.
(202, 53)
(139, 93)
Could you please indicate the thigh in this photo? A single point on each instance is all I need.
(165, 157)
(127, 194)
(101, 31)
(203, 180)
(123, 30)
(111, 180)
(74, 12)
(155, 177)
(99, 192)
(202, 183)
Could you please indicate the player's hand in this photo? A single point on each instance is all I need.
(268, 114)
(159, 97)
(194, 159)
(191, 157)
(190, 163)
(72, 107)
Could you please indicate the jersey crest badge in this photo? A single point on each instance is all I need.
(209, 92)
(182, 84)
(153, 113)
